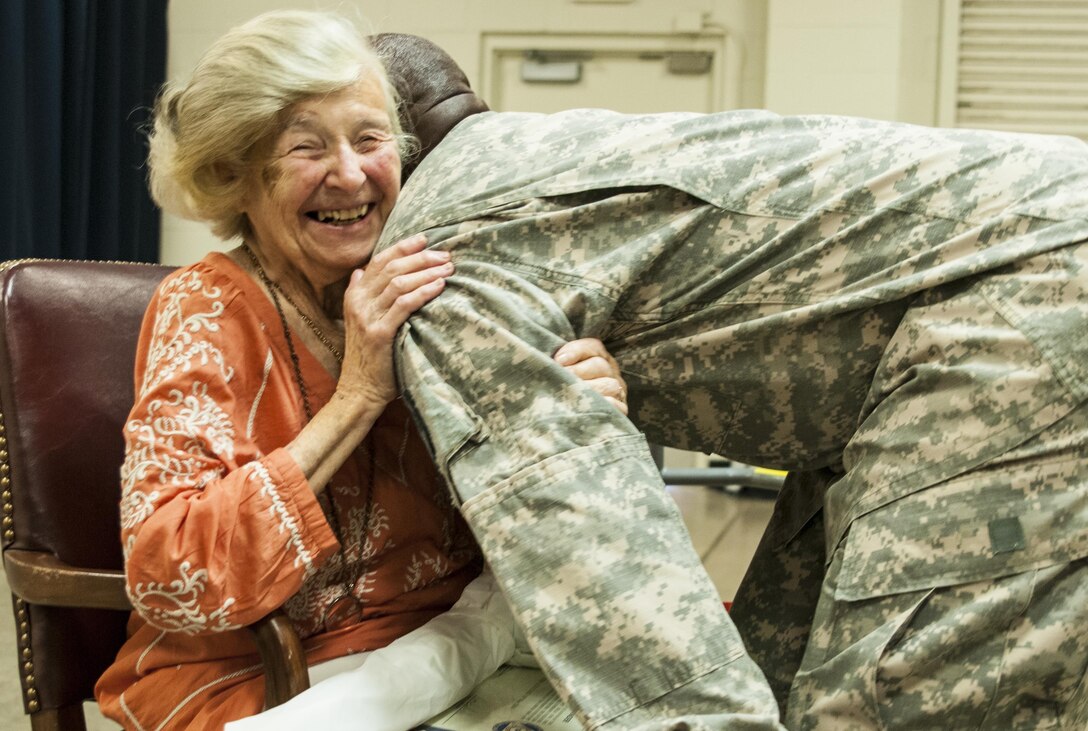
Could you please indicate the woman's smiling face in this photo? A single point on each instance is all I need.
(323, 191)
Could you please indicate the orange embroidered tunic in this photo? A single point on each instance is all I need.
(219, 526)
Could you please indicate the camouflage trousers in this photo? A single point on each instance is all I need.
(1004, 653)
(590, 551)
(963, 604)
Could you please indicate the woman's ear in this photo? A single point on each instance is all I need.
(246, 183)
(224, 173)
(218, 177)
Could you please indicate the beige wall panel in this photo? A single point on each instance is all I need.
(871, 58)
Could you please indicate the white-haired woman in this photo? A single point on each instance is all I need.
(268, 461)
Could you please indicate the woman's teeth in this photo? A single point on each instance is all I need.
(343, 216)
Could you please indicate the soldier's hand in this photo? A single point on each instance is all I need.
(590, 361)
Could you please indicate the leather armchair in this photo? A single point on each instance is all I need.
(68, 333)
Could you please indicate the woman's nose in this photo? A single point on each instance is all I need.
(346, 169)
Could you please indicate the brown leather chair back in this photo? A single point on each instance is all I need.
(68, 333)
(67, 341)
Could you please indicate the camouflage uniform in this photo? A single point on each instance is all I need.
(897, 314)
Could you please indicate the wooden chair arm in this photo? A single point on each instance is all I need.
(39, 577)
(283, 658)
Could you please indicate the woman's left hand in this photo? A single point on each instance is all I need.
(590, 361)
(395, 283)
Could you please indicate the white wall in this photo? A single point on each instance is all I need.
(869, 58)
(874, 58)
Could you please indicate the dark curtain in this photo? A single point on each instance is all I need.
(78, 78)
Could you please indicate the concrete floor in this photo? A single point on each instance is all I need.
(725, 530)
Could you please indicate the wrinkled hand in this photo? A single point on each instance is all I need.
(590, 361)
(378, 300)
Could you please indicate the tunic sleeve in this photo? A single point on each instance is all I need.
(219, 525)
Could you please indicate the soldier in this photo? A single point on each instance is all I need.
(896, 314)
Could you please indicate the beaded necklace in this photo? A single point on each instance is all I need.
(347, 608)
(275, 289)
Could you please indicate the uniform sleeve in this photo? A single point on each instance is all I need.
(216, 532)
(570, 512)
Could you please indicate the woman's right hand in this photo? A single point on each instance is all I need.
(379, 299)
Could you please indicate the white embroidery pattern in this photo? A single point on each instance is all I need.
(260, 394)
(307, 606)
(128, 713)
(222, 679)
(175, 607)
(416, 576)
(366, 583)
(188, 698)
(136, 506)
(378, 524)
(147, 651)
(287, 522)
(173, 348)
(168, 446)
(198, 418)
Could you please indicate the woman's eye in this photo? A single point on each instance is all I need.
(297, 145)
(369, 142)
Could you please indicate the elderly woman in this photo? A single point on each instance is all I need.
(269, 462)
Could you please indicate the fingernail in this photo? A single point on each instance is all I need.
(564, 359)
